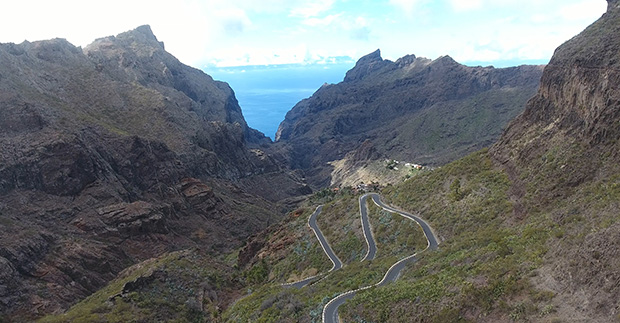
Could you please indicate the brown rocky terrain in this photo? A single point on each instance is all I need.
(415, 109)
(114, 154)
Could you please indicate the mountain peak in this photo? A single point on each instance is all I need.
(366, 65)
(143, 34)
(374, 56)
(53, 50)
(145, 29)
(445, 60)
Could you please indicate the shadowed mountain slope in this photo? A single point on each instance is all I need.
(562, 156)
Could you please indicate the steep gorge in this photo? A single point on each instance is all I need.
(117, 153)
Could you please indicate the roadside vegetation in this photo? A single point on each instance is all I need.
(292, 252)
(275, 303)
(483, 261)
(394, 234)
(492, 262)
(340, 223)
(184, 286)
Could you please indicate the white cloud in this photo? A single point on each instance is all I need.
(263, 6)
(583, 10)
(463, 5)
(232, 20)
(361, 21)
(242, 32)
(325, 21)
(408, 6)
(540, 18)
(241, 55)
(312, 8)
(469, 54)
(361, 33)
(359, 29)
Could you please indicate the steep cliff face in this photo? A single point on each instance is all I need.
(578, 102)
(562, 155)
(579, 92)
(114, 154)
(416, 109)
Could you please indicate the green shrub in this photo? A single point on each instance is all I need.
(258, 273)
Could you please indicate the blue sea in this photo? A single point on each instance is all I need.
(267, 93)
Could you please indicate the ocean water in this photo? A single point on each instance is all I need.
(267, 93)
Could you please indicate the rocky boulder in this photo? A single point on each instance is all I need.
(134, 218)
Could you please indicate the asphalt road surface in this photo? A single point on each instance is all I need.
(370, 241)
(337, 264)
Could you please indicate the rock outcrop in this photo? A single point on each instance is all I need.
(416, 109)
(366, 66)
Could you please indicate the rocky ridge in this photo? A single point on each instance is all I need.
(415, 109)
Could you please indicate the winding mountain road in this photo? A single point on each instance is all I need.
(330, 311)
(370, 239)
(337, 264)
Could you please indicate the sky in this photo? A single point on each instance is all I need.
(221, 33)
